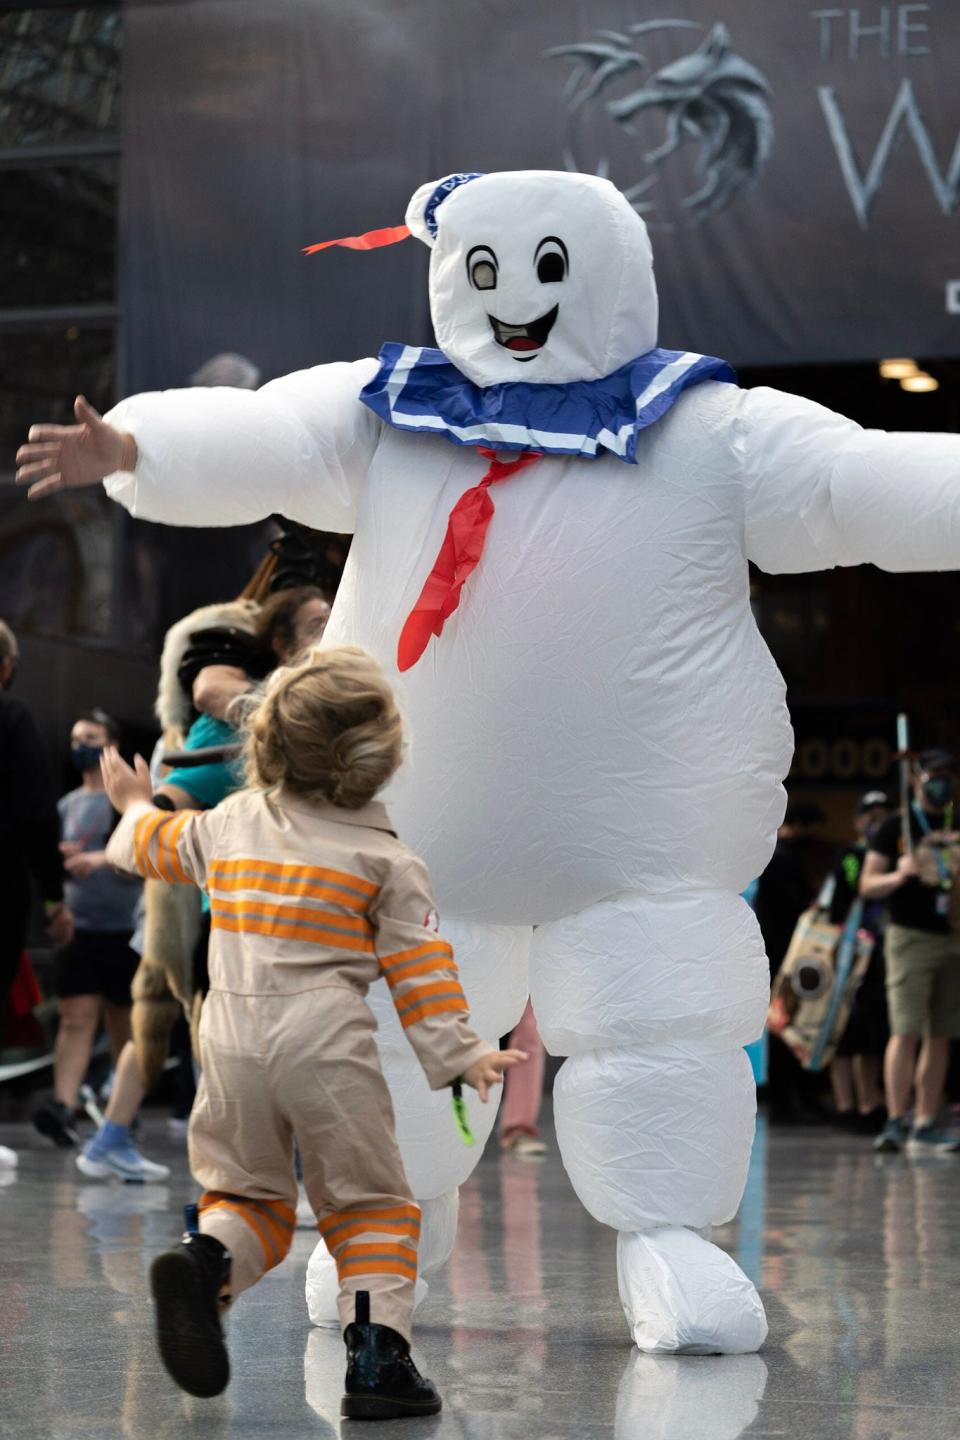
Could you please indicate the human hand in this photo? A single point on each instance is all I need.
(60, 924)
(64, 457)
(70, 847)
(217, 686)
(907, 868)
(488, 1070)
(78, 867)
(125, 784)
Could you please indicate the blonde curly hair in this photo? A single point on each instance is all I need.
(328, 728)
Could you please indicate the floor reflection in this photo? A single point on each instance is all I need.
(857, 1259)
(689, 1397)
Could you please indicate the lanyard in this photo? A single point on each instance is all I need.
(939, 851)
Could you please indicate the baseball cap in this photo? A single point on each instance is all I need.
(872, 799)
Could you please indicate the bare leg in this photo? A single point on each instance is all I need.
(116, 1019)
(79, 1017)
(931, 1076)
(523, 1087)
(867, 1082)
(127, 1094)
(841, 1081)
(898, 1069)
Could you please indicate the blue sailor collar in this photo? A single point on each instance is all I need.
(418, 389)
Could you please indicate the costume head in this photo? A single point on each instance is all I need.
(536, 275)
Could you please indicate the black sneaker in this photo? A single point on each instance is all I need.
(186, 1284)
(58, 1122)
(382, 1381)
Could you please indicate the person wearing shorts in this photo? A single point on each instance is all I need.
(923, 961)
(95, 969)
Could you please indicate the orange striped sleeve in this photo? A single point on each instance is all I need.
(146, 828)
(447, 1005)
(436, 990)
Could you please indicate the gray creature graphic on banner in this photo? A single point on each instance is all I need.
(711, 98)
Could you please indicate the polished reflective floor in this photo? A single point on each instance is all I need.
(857, 1258)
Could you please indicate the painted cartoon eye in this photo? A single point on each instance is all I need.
(482, 268)
(551, 260)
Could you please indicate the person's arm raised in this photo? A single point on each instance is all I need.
(300, 447)
(66, 457)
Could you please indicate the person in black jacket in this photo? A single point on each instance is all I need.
(29, 829)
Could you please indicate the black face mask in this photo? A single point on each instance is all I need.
(938, 791)
(86, 757)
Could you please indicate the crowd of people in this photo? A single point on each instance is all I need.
(892, 1041)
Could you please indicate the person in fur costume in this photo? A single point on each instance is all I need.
(209, 658)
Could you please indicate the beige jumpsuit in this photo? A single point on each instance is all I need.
(310, 903)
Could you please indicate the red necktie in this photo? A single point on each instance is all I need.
(461, 550)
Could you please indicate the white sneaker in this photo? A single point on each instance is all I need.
(99, 1162)
(8, 1158)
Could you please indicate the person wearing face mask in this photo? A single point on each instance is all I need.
(855, 1072)
(28, 835)
(923, 959)
(93, 971)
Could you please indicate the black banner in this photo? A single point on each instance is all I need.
(799, 165)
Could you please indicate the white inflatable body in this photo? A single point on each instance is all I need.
(599, 734)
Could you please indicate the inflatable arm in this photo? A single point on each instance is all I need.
(820, 491)
(299, 447)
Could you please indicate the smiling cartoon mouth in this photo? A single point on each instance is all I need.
(524, 340)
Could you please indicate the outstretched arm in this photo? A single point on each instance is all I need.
(820, 491)
(299, 446)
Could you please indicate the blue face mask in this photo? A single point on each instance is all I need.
(86, 757)
(938, 790)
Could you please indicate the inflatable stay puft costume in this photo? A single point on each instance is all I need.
(552, 521)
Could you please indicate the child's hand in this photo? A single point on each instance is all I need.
(78, 867)
(125, 786)
(59, 457)
(488, 1070)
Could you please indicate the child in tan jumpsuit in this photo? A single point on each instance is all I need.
(312, 898)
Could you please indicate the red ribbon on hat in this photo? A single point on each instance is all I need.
(372, 240)
(461, 550)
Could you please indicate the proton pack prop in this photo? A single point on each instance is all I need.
(814, 989)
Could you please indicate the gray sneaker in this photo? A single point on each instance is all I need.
(932, 1140)
(892, 1138)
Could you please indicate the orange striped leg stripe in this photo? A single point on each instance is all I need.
(434, 1007)
(272, 1222)
(383, 1258)
(346, 1225)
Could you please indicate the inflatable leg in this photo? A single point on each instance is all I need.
(653, 999)
(494, 965)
